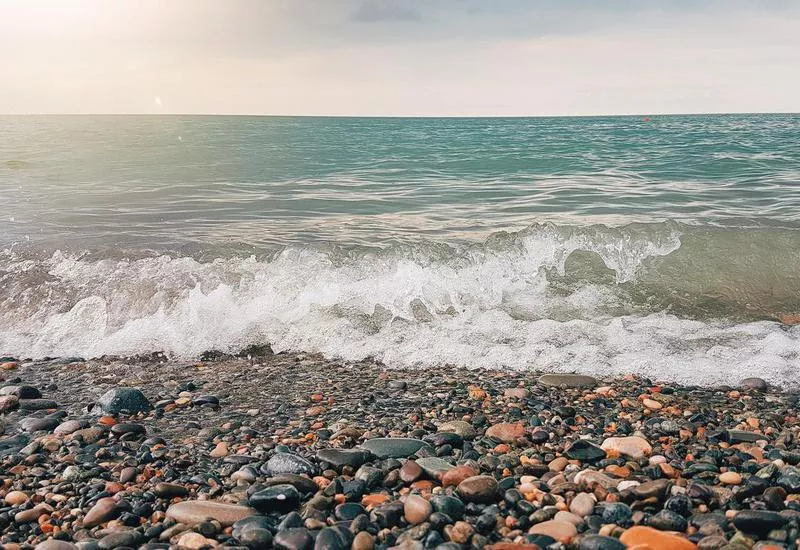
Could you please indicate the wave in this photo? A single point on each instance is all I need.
(686, 303)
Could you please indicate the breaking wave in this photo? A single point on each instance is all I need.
(686, 303)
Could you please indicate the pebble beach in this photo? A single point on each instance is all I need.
(295, 451)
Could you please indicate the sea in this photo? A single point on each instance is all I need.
(666, 246)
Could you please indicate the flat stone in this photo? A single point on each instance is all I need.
(193, 512)
(53, 544)
(562, 531)
(393, 447)
(8, 403)
(104, 510)
(647, 537)
(70, 426)
(585, 450)
(170, 490)
(464, 429)
(753, 383)
(478, 489)
(455, 476)
(344, 457)
(416, 509)
(598, 542)
(506, 432)
(632, 446)
(21, 392)
(567, 381)
(410, 471)
(758, 522)
(582, 504)
(434, 467)
(301, 483)
(117, 400)
(46, 424)
(278, 498)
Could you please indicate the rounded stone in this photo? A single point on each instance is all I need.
(479, 489)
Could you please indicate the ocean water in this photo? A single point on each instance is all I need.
(667, 246)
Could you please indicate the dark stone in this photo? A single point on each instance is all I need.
(758, 522)
(448, 505)
(297, 538)
(585, 451)
(387, 515)
(22, 392)
(599, 542)
(256, 538)
(754, 383)
(667, 520)
(344, 457)
(37, 404)
(393, 447)
(348, 511)
(680, 504)
(617, 513)
(118, 400)
(279, 498)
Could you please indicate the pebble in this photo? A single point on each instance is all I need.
(479, 489)
(196, 511)
(631, 446)
(730, 478)
(394, 447)
(416, 509)
(507, 432)
(567, 381)
(117, 400)
(644, 538)
(562, 531)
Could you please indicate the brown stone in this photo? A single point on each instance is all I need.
(457, 475)
(647, 538)
(507, 432)
(411, 471)
(196, 511)
(479, 489)
(562, 531)
(104, 510)
(417, 509)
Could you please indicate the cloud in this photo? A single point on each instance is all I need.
(373, 11)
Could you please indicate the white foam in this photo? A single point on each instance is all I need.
(483, 307)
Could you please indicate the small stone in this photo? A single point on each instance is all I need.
(416, 509)
(456, 475)
(195, 541)
(652, 404)
(192, 512)
(410, 471)
(8, 403)
(104, 510)
(287, 463)
(117, 400)
(53, 544)
(632, 446)
(15, 498)
(464, 429)
(460, 532)
(562, 531)
(363, 541)
(279, 498)
(567, 381)
(507, 432)
(478, 489)
(220, 450)
(585, 450)
(295, 538)
(730, 478)
(649, 538)
(582, 504)
(393, 447)
(599, 542)
(344, 457)
(754, 383)
(758, 522)
(516, 393)
(434, 467)
(170, 490)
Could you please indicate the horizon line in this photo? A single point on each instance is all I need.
(268, 115)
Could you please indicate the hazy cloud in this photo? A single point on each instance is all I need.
(372, 11)
(424, 57)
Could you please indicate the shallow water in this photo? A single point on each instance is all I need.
(668, 247)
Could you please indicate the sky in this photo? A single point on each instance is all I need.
(399, 57)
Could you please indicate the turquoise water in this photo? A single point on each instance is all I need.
(668, 245)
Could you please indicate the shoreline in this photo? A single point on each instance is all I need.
(295, 444)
